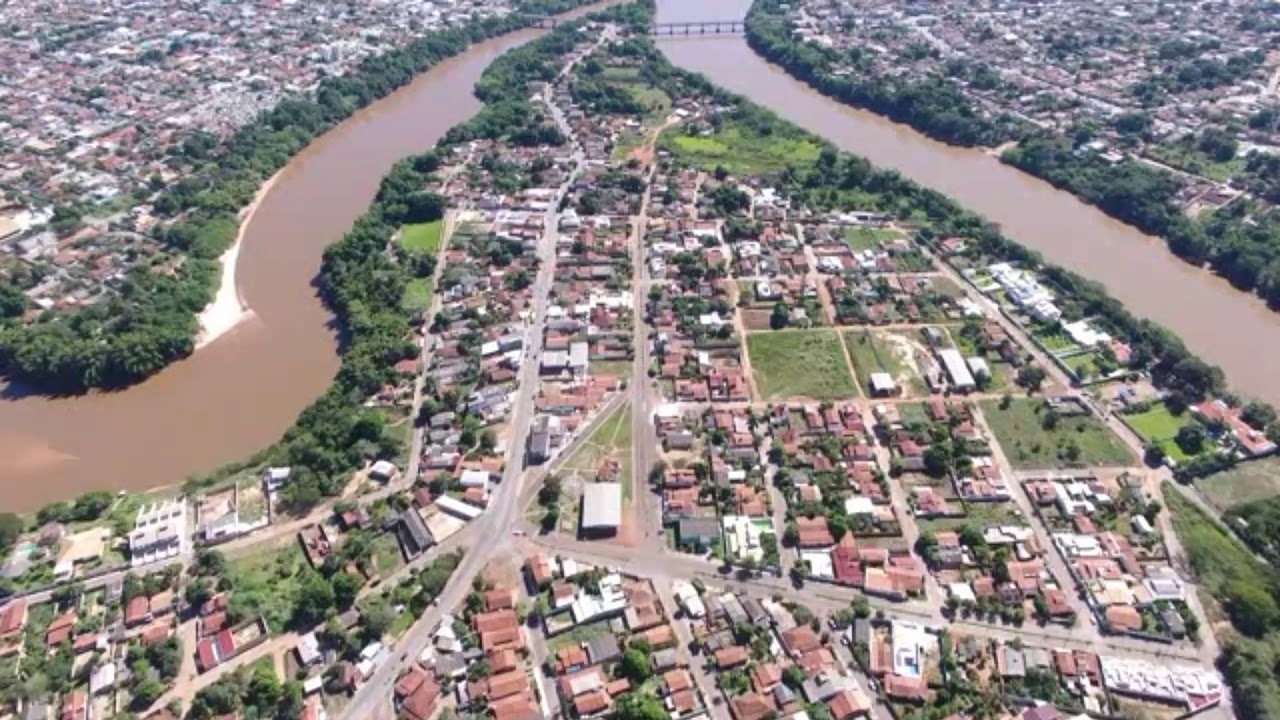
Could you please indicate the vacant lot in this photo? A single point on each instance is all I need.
(267, 583)
(868, 238)
(739, 149)
(799, 363)
(417, 294)
(1244, 483)
(887, 352)
(1029, 444)
(422, 237)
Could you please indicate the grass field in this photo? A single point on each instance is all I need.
(612, 438)
(267, 583)
(866, 238)
(1030, 445)
(1244, 483)
(799, 363)
(1185, 156)
(417, 294)
(740, 150)
(978, 515)
(657, 101)
(879, 351)
(1158, 425)
(422, 237)
(1222, 568)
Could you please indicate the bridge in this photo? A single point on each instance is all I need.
(692, 27)
(699, 27)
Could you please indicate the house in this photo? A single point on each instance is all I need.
(697, 534)
(416, 694)
(13, 618)
(159, 532)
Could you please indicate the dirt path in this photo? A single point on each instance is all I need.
(848, 363)
(740, 329)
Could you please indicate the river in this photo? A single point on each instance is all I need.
(1226, 327)
(239, 393)
(242, 391)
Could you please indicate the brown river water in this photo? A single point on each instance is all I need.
(1222, 325)
(243, 390)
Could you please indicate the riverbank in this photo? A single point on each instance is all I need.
(240, 394)
(228, 308)
(1136, 269)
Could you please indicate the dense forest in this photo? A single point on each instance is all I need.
(152, 323)
(1240, 245)
(935, 106)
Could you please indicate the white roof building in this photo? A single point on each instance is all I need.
(601, 506)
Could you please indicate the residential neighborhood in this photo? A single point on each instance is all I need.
(686, 434)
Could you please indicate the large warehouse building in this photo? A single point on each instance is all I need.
(601, 509)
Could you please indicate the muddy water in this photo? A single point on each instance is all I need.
(242, 391)
(1222, 325)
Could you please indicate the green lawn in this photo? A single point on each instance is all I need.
(657, 101)
(1055, 341)
(866, 238)
(422, 237)
(417, 294)
(799, 363)
(401, 624)
(1246, 482)
(387, 555)
(1158, 425)
(741, 150)
(1029, 444)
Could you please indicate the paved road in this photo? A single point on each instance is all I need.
(490, 529)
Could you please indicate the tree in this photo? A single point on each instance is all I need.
(345, 589)
(1190, 438)
(635, 706)
(1253, 609)
(635, 665)
(10, 528)
(210, 562)
(315, 600)
(1031, 376)
(780, 316)
(1153, 455)
(146, 692)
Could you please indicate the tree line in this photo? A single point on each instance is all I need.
(1240, 244)
(151, 323)
(839, 181)
(936, 105)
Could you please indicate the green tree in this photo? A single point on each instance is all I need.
(636, 706)
(635, 665)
